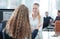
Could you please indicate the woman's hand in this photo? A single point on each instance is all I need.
(38, 26)
(53, 23)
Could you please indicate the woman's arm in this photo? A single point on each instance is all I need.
(53, 23)
(40, 24)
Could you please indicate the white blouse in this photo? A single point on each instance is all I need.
(34, 22)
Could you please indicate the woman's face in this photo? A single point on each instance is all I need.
(35, 9)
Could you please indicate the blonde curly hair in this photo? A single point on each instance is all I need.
(18, 26)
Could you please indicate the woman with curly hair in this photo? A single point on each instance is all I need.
(18, 26)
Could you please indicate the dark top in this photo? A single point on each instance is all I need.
(6, 36)
(46, 21)
(4, 24)
(57, 18)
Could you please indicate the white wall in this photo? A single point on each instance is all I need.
(52, 8)
(58, 4)
(43, 7)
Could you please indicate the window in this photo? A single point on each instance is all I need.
(9, 4)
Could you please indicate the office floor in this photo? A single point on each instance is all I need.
(49, 35)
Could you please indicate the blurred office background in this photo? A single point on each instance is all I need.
(45, 5)
(8, 6)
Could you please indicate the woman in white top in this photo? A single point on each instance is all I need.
(36, 21)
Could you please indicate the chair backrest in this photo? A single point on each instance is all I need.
(57, 26)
